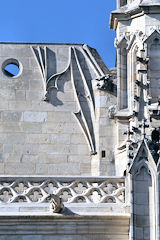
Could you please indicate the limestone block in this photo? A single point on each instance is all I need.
(35, 116)
(33, 73)
(13, 50)
(3, 156)
(62, 53)
(20, 105)
(1, 168)
(29, 127)
(53, 158)
(14, 158)
(60, 139)
(4, 105)
(79, 149)
(26, 148)
(52, 127)
(35, 85)
(41, 168)
(16, 168)
(107, 141)
(61, 169)
(7, 94)
(85, 168)
(38, 138)
(63, 117)
(13, 84)
(103, 132)
(103, 121)
(10, 127)
(16, 138)
(1, 147)
(33, 63)
(102, 112)
(20, 94)
(24, 61)
(79, 159)
(61, 128)
(34, 95)
(29, 158)
(54, 149)
(77, 139)
(12, 116)
(7, 148)
(42, 106)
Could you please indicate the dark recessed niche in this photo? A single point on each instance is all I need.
(103, 154)
(12, 68)
(123, 3)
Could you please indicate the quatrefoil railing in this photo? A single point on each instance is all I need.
(71, 190)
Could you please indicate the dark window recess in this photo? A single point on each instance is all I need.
(123, 3)
(103, 154)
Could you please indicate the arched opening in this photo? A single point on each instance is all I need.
(12, 68)
(154, 66)
(123, 79)
(143, 205)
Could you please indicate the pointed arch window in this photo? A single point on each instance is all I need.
(152, 47)
(155, 70)
(122, 75)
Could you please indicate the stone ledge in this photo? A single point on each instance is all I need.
(72, 209)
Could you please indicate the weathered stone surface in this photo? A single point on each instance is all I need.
(12, 116)
(19, 168)
(34, 131)
(35, 116)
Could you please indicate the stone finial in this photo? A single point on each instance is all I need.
(128, 133)
(143, 127)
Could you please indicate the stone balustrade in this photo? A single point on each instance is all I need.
(17, 189)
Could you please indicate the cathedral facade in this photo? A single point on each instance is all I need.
(79, 142)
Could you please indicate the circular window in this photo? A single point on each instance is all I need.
(12, 68)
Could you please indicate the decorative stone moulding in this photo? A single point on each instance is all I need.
(83, 90)
(69, 190)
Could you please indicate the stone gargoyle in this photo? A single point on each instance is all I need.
(56, 204)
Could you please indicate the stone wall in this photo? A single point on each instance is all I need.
(39, 137)
(64, 228)
(52, 116)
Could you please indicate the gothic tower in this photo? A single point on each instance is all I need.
(137, 23)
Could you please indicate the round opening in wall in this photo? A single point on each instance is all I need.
(12, 68)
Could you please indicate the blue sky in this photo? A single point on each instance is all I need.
(72, 21)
